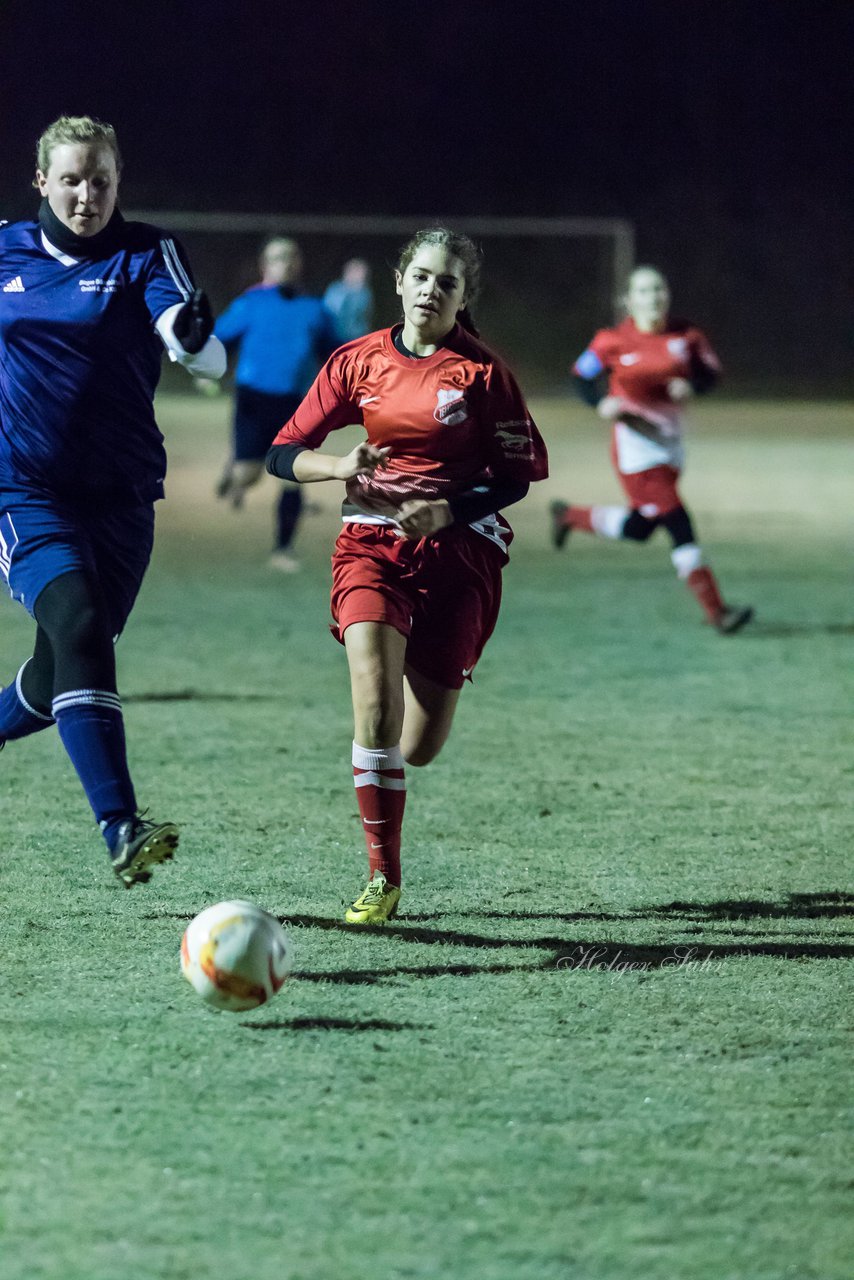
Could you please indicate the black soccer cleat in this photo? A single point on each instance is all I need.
(141, 845)
(560, 529)
(733, 619)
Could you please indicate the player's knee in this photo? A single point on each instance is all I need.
(86, 632)
(378, 718)
(686, 559)
(638, 527)
(678, 524)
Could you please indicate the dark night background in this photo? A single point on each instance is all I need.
(722, 130)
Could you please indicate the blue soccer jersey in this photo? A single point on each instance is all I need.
(283, 340)
(80, 360)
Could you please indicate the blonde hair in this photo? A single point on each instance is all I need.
(71, 129)
(644, 266)
(277, 240)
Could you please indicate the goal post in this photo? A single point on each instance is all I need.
(548, 282)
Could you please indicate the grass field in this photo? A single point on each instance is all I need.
(607, 1037)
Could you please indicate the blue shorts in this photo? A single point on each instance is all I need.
(258, 418)
(42, 538)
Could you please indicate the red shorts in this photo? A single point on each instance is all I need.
(653, 492)
(442, 593)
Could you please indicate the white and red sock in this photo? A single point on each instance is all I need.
(380, 783)
(607, 522)
(704, 586)
(699, 579)
(578, 518)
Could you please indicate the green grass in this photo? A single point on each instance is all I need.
(605, 1039)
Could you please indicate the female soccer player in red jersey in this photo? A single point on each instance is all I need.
(652, 364)
(416, 572)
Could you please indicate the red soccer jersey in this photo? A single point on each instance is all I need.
(640, 366)
(452, 420)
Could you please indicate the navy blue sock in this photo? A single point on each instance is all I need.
(287, 516)
(92, 731)
(17, 718)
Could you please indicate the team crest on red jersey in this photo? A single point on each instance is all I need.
(451, 408)
(677, 347)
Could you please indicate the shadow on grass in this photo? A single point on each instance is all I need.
(334, 1024)
(370, 977)
(197, 695)
(830, 904)
(564, 953)
(760, 630)
(800, 906)
(573, 952)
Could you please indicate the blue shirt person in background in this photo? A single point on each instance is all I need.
(282, 337)
(87, 304)
(351, 300)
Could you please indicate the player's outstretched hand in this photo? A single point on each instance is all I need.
(609, 408)
(361, 461)
(194, 323)
(206, 386)
(418, 518)
(679, 389)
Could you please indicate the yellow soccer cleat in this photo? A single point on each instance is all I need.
(377, 904)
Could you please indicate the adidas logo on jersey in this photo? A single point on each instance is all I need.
(14, 286)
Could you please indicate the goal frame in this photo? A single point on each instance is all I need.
(618, 231)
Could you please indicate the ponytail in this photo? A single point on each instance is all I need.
(464, 319)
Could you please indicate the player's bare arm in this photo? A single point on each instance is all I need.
(310, 465)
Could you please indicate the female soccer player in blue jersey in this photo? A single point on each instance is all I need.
(87, 304)
(282, 337)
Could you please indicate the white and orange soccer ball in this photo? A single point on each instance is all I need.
(235, 956)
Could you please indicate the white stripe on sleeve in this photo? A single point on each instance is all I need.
(176, 267)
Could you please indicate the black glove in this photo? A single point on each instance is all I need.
(194, 323)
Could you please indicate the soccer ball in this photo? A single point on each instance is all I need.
(235, 956)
